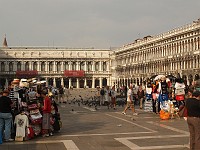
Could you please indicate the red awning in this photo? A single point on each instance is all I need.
(74, 73)
(27, 74)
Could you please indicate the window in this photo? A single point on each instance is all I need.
(2, 66)
(58, 67)
(43, 66)
(26, 66)
(51, 66)
(11, 66)
(19, 66)
(35, 66)
(97, 66)
(104, 66)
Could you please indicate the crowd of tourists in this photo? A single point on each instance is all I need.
(28, 108)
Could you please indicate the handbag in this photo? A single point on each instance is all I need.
(182, 111)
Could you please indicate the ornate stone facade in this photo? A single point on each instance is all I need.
(176, 52)
(52, 62)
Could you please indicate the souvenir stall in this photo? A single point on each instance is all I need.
(28, 109)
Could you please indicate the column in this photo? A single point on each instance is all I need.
(46, 66)
(100, 82)
(54, 66)
(62, 82)
(54, 82)
(108, 81)
(62, 67)
(85, 66)
(30, 65)
(70, 65)
(93, 82)
(85, 82)
(107, 66)
(77, 65)
(93, 65)
(193, 63)
(100, 66)
(47, 83)
(70, 82)
(38, 65)
(77, 83)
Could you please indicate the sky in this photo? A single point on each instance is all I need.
(91, 23)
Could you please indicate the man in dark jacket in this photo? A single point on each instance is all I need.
(5, 115)
(193, 119)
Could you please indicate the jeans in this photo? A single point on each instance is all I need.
(5, 123)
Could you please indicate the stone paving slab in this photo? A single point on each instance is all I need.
(103, 129)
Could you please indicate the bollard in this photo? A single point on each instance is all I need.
(1, 141)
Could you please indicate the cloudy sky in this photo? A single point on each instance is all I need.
(90, 23)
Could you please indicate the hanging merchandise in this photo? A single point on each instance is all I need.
(21, 122)
(164, 115)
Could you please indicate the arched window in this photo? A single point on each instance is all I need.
(11, 66)
(19, 66)
(97, 66)
(51, 66)
(82, 66)
(104, 66)
(74, 66)
(58, 67)
(43, 66)
(89, 66)
(27, 66)
(66, 66)
(2, 66)
(35, 66)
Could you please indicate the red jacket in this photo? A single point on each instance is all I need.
(47, 105)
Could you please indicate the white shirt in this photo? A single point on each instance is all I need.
(107, 97)
(21, 122)
(130, 94)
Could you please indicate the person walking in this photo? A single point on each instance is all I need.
(5, 116)
(61, 95)
(107, 97)
(193, 120)
(102, 93)
(46, 115)
(141, 95)
(130, 102)
(113, 97)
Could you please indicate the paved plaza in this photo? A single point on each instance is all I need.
(85, 128)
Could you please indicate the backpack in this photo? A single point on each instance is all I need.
(102, 92)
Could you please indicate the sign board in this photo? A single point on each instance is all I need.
(74, 73)
(27, 74)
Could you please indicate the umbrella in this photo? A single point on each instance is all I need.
(152, 77)
(158, 77)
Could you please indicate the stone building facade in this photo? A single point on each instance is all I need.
(176, 52)
(50, 64)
